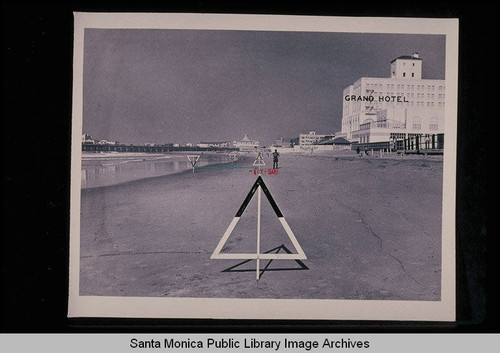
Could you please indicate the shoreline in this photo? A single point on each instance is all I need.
(109, 169)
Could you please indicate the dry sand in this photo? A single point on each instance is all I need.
(370, 227)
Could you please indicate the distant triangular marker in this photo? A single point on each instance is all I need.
(233, 156)
(258, 186)
(259, 161)
(193, 160)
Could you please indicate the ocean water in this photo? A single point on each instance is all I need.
(106, 169)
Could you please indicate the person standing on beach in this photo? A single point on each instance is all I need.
(275, 159)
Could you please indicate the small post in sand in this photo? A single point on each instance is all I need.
(258, 231)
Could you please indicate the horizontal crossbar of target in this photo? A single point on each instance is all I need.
(260, 256)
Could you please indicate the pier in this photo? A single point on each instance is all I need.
(87, 147)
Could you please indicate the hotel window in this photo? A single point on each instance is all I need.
(434, 124)
(404, 74)
(412, 74)
(417, 123)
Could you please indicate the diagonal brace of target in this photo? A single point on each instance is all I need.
(258, 186)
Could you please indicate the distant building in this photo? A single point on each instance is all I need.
(247, 145)
(337, 143)
(396, 107)
(87, 139)
(214, 144)
(106, 142)
(284, 142)
(311, 138)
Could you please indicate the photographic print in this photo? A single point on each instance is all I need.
(283, 167)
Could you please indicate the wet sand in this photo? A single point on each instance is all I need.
(106, 169)
(370, 227)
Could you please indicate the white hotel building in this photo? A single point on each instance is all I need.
(400, 106)
(311, 138)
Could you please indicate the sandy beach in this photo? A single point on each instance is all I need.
(370, 227)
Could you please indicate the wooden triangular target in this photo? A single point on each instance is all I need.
(259, 161)
(258, 186)
(193, 159)
(233, 156)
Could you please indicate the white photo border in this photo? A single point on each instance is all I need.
(293, 309)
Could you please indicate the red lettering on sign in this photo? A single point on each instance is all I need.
(264, 171)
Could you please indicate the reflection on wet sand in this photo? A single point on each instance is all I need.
(99, 170)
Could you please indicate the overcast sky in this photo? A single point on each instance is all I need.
(180, 86)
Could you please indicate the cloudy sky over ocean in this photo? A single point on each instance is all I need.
(181, 86)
